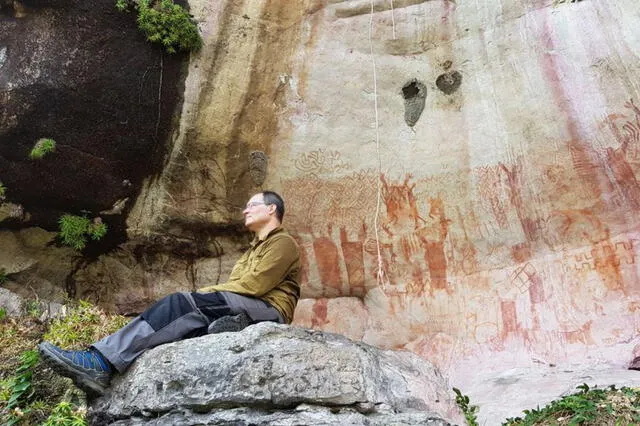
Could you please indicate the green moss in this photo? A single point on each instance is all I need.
(76, 230)
(43, 147)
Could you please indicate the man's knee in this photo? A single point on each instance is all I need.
(167, 310)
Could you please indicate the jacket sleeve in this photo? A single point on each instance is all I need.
(268, 271)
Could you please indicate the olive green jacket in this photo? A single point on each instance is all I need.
(269, 271)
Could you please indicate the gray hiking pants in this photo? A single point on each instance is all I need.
(176, 317)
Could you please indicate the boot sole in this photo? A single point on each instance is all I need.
(63, 368)
(230, 324)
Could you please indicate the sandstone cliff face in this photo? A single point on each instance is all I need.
(476, 195)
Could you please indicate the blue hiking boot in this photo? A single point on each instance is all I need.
(230, 324)
(89, 370)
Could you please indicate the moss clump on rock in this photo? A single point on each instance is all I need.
(43, 147)
(165, 23)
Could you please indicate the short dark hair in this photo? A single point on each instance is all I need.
(271, 197)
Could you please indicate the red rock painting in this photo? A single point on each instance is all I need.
(353, 252)
(328, 262)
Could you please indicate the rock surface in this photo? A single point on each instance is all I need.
(276, 374)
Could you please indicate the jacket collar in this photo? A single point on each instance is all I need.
(274, 231)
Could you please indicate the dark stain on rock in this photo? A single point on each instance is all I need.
(414, 94)
(449, 82)
(258, 167)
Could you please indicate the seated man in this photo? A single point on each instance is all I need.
(263, 286)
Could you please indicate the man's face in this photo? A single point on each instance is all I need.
(256, 213)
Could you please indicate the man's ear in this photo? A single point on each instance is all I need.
(272, 208)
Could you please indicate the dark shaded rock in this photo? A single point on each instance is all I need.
(635, 364)
(276, 374)
(81, 73)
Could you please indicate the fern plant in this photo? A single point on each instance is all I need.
(75, 230)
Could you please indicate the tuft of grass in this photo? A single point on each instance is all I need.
(42, 147)
(75, 230)
(588, 407)
(469, 411)
(83, 325)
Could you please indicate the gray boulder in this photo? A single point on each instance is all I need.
(271, 374)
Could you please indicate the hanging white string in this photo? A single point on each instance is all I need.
(393, 21)
(380, 274)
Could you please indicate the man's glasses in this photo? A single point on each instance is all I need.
(254, 203)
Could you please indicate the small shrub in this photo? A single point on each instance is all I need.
(469, 411)
(164, 22)
(588, 407)
(3, 313)
(43, 147)
(75, 230)
(83, 325)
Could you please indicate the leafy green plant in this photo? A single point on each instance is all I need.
(3, 191)
(43, 147)
(75, 230)
(3, 276)
(590, 406)
(19, 388)
(83, 325)
(469, 411)
(3, 313)
(164, 22)
(64, 415)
